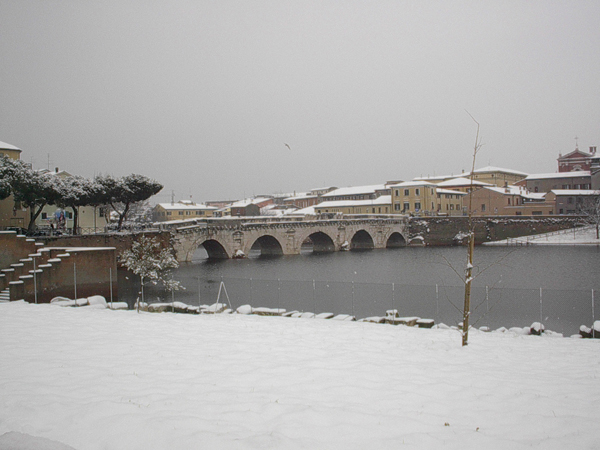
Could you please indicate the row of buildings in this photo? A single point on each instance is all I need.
(13, 215)
(494, 191)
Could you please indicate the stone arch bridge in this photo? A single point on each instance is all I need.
(232, 238)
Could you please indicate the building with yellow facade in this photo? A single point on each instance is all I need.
(379, 205)
(425, 198)
(183, 209)
(12, 215)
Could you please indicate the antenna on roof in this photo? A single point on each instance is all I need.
(576, 143)
(172, 197)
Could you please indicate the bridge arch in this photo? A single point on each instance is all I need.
(362, 240)
(321, 242)
(267, 245)
(214, 249)
(395, 240)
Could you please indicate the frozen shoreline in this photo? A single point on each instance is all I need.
(102, 379)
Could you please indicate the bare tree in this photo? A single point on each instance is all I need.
(471, 246)
(590, 209)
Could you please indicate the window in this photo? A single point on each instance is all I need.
(483, 207)
(509, 201)
(431, 191)
(180, 213)
(44, 215)
(396, 206)
(457, 207)
(451, 207)
(69, 215)
(406, 192)
(406, 206)
(561, 211)
(570, 200)
(397, 193)
(417, 192)
(168, 213)
(417, 206)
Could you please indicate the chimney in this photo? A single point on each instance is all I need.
(593, 150)
(56, 169)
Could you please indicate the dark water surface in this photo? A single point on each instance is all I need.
(420, 282)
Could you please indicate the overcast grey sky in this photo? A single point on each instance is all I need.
(202, 95)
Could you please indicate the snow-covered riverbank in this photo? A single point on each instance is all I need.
(101, 379)
(575, 236)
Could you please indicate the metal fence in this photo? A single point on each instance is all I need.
(562, 311)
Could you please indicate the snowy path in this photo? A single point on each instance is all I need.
(101, 379)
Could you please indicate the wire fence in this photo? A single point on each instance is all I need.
(563, 311)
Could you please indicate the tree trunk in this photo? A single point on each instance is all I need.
(468, 280)
(33, 215)
(122, 216)
(75, 219)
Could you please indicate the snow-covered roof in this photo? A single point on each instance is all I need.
(381, 200)
(355, 190)
(589, 192)
(489, 169)
(301, 196)
(5, 146)
(249, 201)
(437, 177)
(449, 191)
(534, 195)
(413, 183)
(545, 176)
(310, 210)
(186, 206)
(463, 182)
(509, 190)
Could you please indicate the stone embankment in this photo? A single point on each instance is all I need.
(392, 317)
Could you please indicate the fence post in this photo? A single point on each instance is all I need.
(541, 307)
(251, 291)
(314, 299)
(353, 315)
(278, 295)
(437, 303)
(111, 289)
(34, 281)
(75, 281)
(393, 294)
(593, 316)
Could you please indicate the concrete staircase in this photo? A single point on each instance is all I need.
(4, 296)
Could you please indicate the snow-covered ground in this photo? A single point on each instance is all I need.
(576, 236)
(102, 379)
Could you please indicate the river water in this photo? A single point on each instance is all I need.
(515, 286)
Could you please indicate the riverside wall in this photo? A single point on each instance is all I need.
(443, 231)
(120, 241)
